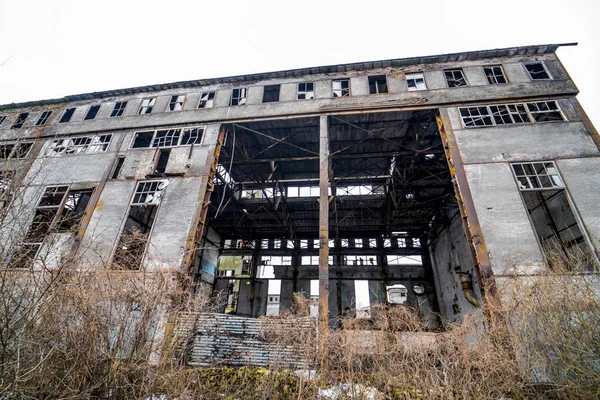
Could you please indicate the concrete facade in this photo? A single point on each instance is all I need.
(195, 215)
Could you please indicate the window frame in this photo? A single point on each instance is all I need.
(531, 115)
(551, 177)
(210, 99)
(70, 111)
(179, 139)
(348, 90)
(408, 76)
(305, 91)
(43, 118)
(118, 109)
(147, 109)
(278, 86)
(176, 102)
(377, 83)
(71, 143)
(494, 75)
(453, 71)
(238, 98)
(89, 110)
(20, 120)
(15, 149)
(549, 78)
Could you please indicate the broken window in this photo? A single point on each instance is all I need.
(495, 74)
(455, 78)
(6, 179)
(238, 97)
(207, 100)
(271, 93)
(147, 105)
(162, 161)
(20, 120)
(92, 112)
(314, 260)
(404, 260)
(168, 137)
(537, 71)
(306, 91)
(358, 243)
(44, 117)
(341, 88)
(176, 103)
(118, 109)
(73, 210)
(550, 212)
(377, 84)
(416, 82)
(67, 115)
(77, 145)
(2, 119)
(15, 150)
(519, 113)
(136, 232)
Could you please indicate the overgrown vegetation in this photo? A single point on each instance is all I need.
(105, 334)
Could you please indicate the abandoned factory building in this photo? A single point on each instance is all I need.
(420, 181)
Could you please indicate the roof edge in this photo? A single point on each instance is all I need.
(356, 66)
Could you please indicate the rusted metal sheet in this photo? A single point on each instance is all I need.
(221, 339)
(324, 225)
(465, 205)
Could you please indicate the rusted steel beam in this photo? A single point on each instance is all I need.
(466, 207)
(324, 228)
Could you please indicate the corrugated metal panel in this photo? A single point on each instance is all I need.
(240, 341)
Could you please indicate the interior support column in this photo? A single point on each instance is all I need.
(323, 236)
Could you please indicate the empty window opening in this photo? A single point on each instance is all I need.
(238, 97)
(503, 114)
(313, 260)
(495, 74)
(118, 167)
(118, 109)
(273, 297)
(78, 145)
(2, 119)
(415, 82)
(362, 300)
(176, 103)
(378, 84)
(359, 260)
(44, 117)
(550, 212)
(455, 78)
(404, 260)
(92, 112)
(15, 150)
(147, 105)
(207, 100)
(306, 91)
(20, 120)
(162, 161)
(67, 115)
(168, 137)
(138, 225)
(271, 93)
(341, 88)
(537, 71)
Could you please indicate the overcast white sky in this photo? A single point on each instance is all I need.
(52, 48)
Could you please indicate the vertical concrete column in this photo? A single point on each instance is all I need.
(324, 226)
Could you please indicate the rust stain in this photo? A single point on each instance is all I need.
(99, 205)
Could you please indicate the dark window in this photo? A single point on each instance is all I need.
(271, 93)
(20, 120)
(545, 111)
(495, 74)
(2, 119)
(341, 88)
(176, 103)
(147, 105)
(6, 150)
(73, 210)
(162, 161)
(92, 112)
(537, 71)
(192, 136)
(167, 137)
(67, 115)
(455, 78)
(22, 150)
(118, 168)
(306, 91)
(119, 109)
(207, 100)
(238, 97)
(142, 139)
(377, 84)
(44, 117)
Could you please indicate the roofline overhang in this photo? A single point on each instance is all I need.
(358, 66)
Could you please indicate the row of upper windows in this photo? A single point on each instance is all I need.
(378, 84)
